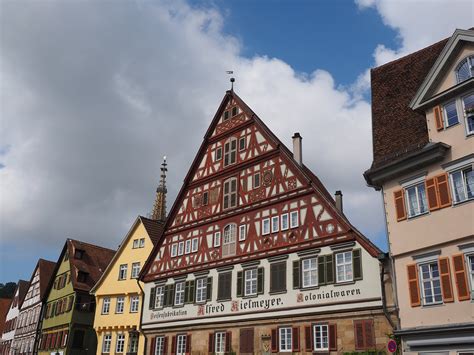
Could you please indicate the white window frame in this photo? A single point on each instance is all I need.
(201, 290)
(250, 282)
(307, 268)
(187, 248)
(179, 293)
(135, 244)
(275, 224)
(120, 343)
(470, 270)
(142, 243)
(231, 152)
(346, 265)
(470, 62)
(244, 139)
(120, 305)
(285, 222)
(135, 270)
(265, 226)
(180, 248)
(292, 214)
(218, 157)
(230, 193)
(431, 280)
(195, 245)
(229, 240)
(285, 339)
(106, 343)
(242, 232)
(160, 345)
(133, 339)
(464, 183)
(219, 343)
(445, 113)
(417, 211)
(254, 180)
(181, 344)
(174, 250)
(106, 305)
(217, 239)
(320, 342)
(159, 296)
(134, 303)
(465, 115)
(123, 272)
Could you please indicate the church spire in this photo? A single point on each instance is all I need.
(159, 208)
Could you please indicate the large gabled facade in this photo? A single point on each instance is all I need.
(255, 256)
(423, 142)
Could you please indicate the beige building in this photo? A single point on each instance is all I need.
(423, 142)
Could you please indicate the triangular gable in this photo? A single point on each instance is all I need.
(437, 71)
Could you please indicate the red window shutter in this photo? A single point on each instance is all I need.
(296, 338)
(173, 344)
(432, 194)
(58, 340)
(332, 337)
(48, 340)
(53, 341)
(308, 339)
(228, 342)
(165, 345)
(438, 115)
(413, 286)
(399, 198)
(445, 274)
(442, 187)
(359, 334)
(369, 333)
(152, 345)
(274, 340)
(188, 344)
(461, 277)
(210, 348)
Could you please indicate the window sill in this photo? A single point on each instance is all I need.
(409, 218)
(453, 125)
(433, 305)
(250, 296)
(309, 288)
(344, 283)
(178, 306)
(277, 292)
(460, 203)
(224, 300)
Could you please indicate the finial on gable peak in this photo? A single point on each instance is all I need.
(232, 79)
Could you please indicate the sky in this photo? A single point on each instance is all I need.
(94, 93)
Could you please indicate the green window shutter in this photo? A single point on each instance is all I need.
(330, 269)
(296, 274)
(357, 264)
(186, 291)
(209, 289)
(192, 292)
(321, 270)
(165, 296)
(152, 298)
(171, 295)
(240, 282)
(260, 280)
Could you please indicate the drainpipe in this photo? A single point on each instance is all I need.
(141, 315)
(382, 259)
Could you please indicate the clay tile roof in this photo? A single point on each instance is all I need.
(46, 270)
(93, 262)
(397, 129)
(4, 307)
(22, 289)
(154, 228)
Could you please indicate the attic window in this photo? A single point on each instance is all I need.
(235, 111)
(226, 115)
(78, 254)
(465, 69)
(82, 276)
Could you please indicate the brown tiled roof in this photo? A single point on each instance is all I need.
(94, 262)
(22, 289)
(4, 307)
(46, 271)
(397, 129)
(154, 228)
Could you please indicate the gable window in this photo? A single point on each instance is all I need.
(220, 343)
(142, 242)
(106, 305)
(160, 345)
(250, 282)
(195, 245)
(310, 272)
(159, 296)
(205, 198)
(230, 151)
(468, 106)
(450, 114)
(266, 226)
(242, 143)
(462, 182)
(135, 244)
(134, 303)
(135, 270)
(230, 193)
(344, 266)
(275, 224)
(321, 337)
(278, 277)
(226, 115)
(180, 248)
(106, 343)
(256, 180)
(416, 200)
(123, 272)
(430, 283)
(465, 69)
(294, 220)
(179, 294)
(285, 336)
(188, 247)
(120, 304)
(242, 232)
(228, 242)
(284, 221)
(201, 290)
(181, 344)
(218, 154)
(224, 286)
(217, 239)
(120, 344)
(235, 111)
(79, 254)
(174, 250)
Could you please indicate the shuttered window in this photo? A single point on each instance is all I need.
(364, 334)
(470, 270)
(224, 286)
(278, 277)
(219, 347)
(462, 182)
(230, 193)
(430, 283)
(460, 276)
(285, 339)
(445, 275)
(400, 210)
(230, 151)
(344, 266)
(321, 337)
(159, 345)
(309, 269)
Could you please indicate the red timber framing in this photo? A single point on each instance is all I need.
(270, 186)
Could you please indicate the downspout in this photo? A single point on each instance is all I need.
(384, 300)
(141, 315)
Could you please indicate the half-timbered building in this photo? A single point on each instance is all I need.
(257, 258)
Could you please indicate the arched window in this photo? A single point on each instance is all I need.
(228, 242)
(230, 151)
(465, 69)
(230, 193)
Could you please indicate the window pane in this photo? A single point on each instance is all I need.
(451, 114)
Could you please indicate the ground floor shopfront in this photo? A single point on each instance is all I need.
(336, 333)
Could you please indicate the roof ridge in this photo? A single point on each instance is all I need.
(90, 244)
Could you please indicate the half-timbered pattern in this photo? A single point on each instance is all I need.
(28, 325)
(255, 256)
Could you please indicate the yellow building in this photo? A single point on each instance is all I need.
(118, 294)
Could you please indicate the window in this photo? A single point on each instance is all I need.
(278, 277)
(364, 334)
(160, 345)
(120, 304)
(217, 239)
(226, 115)
(344, 266)
(132, 343)
(230, 152)
(250, 282)
(230, 193)
(242, 232)
(218, 154)
(159, 296)
(450, 114)
(242, 143)
(468, 105)
(285, 339)
(195, 245)
(256, 180)
(228, 242)
(79, 254)
(430, 283)
(174, 250)
(180, 248)
(106, 343)
(462, 182)
(120, 343)
(416, 200)
(470, 269)
(465, 69)
(235, 111)
(106, 305)
(266, 226)
(134, 302)
(123, 272)
(82, 276)
(205, 198)
(135, 270)
(142, 242)
(181, 344)
(135, 243)
(225, 286)
(220, 343)
(179, 294)
(187, 249)
(310, 272)
(294, 222)
(275, 224)
(201, 290)
(321, 338)
(284, 221)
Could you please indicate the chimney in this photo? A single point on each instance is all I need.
(297, 148)
(338, 196)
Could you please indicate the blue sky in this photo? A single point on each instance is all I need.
(94, 93)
